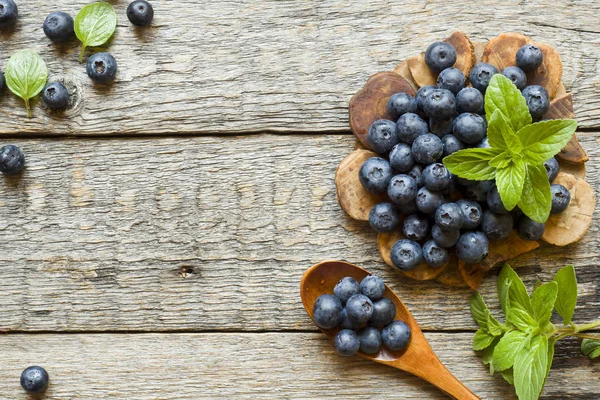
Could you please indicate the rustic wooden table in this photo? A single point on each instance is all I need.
(153, 247)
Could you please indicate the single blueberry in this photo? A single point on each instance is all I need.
(427, 149)
(359, 308)
(440, 104)
(400, 104)
(373, 287)
(537, 100)
(440, 128)
(472, 212)
(410, 126)
(327, 311)
(481, 74)
(406, 254)
(516, 76)
(375, 175)
(552, 169)
(370, 340)
(415, 227)
(469, 100)
(472, 247)
(8, 13)
(451, 145)
(494, 201)
(496, 226)
(396, 336)
(516, 213)
(529, 57)
(560, 198)
(401, 158)
(346, 288)
(469, 127)
(451, 79)
(449, 216)
(435, 255)
(444, 238)
(348, 323)
(346, 342)
(140, 12)
(382, 136)
(428, 201)
(478, 191)
(55, 95)
(101, 68)
(422, 93)
(529, 229)
(439, 56)
(59, 26)
(416, 172)
(12, 160)
(384, 217)
(34, 379)
(402, 189)
(436, 177)
(384, 312)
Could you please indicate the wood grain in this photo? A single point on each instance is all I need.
(206, 234)
(234, 66)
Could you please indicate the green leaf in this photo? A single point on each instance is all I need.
(502, 160)
(472, 163)
(509, 181)
(500, 135)
(551, 343)
(567, 293)
(521, 318)
(26, 75)
(591, 348)
(531, 369)
(510, 285)
(488, 355)
(536, 198)
(479, 310)
(508, 376)
(94, 25)
(494, 327)
(503, 95)
(542, 301)
(482, 339)
(507, 348)
(543, 140)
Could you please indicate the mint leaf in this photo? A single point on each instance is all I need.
(472, 163)
(567, 293)
(494, 327)
(507, 348)
(511, 286)
(543, 140)
(521, 318)
(551, 343)
(479, 310)
(503, 95)
(502, 160)
(536, 198)
(488, 355)
(482, 340)
(591, 348)
(26, 75)
(500, 135)
(94, 25)
(542, 301)
(509, 181)
(531, 369)
(508, 376)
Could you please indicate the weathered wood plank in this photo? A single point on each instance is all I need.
(205, 234)
(234, 66)
(271, 365)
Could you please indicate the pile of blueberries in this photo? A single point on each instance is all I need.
(364, 316)
(434, 209)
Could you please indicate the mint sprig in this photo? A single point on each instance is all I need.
(94, 25)
(522, 349)
(518, 151)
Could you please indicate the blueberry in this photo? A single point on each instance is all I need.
(469, 100)
(529, 229)
(516, 213)
(396, 336)
(55, 95)
(348, 323)
(428, 201)
(375, 174)
(472, 247)
(346, 342)
(406, 254)
(346, 288)
(382, 136)
(483, 144)
(408, 208)
(516, 76)
(472, 212)
(12, 160)
(400, 104)
(402, 189)
(327, 311)
(445, 238)
(451, 79)
(8, 13)
(529, 57)
(384, 217)
(434, 255)
(370, 340)
(401, 158)
(410, 126)
(439, 56)
(415, 227)
(359, 308)
(481, 74)
(422, 93)
(373, 287)
(440, 128)
(496, 226)
(102, 68)
(469, 127)
(440, 104)
(449, 216)
(384, 312)
(451, 145)
(140, 12)
(34, 379)
(416, 173)
(478, 191)
(552, 168)
(494, 201)
(427, 149)
(537, 100)
(560, 198)
(436, 177)
(59, 26)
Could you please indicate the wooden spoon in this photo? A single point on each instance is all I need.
(418, 358)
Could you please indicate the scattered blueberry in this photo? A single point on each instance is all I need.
(537, 100)
(406, 254)
(384, 217)
(428, 201)
(401, 157)
(410, 126)
(370, 340)
(422, 93)
(400, 104)
(496, 226)
(55, 95)
(12, 160)
(8, 13)
(494, 201)
(472, 247)
(327, 311)
(346, 342)
(373, 287)
(436, 177)
(375, 174)
(449, 216)
(382, 136)
(472, 212)
(359, 308)
(402, 189)
(469, 100)
(440, 104)
(348, 323)
(516, 76)
(560, 198)
(451, 145)
(469, 127)
(416, 173)
(346, 288)
(440, 128)
(59, 26)
(445, 238)
(439, 56)
(529, 57)
(140, 12)
(478, 192)
(529, 229)
(396, 336)
(434, 255)
(451, 79)
(415, 227)
(427, 149)
(384, 312)
(34, 379)
(481, 74)
(552, 169)
(102, 68)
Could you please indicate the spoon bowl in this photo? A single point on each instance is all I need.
(417, 358)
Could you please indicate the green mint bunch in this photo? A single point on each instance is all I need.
(517, 153)
(522, 348)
